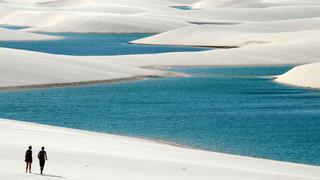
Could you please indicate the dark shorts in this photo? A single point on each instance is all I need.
(42, 163)
(29, 160)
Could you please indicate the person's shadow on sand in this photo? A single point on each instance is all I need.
(48, 175)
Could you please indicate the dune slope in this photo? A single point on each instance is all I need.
(304, 76)
(25, 68)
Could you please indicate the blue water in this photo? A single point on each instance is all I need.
(95, 44)
(182, 7)
(234, 110)
(13, 27)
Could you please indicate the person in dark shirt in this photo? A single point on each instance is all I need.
(28, 159)
(42, 156)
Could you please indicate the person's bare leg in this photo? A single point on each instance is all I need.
(29, 167)
(26, 167)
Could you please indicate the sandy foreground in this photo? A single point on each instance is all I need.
(83, 155)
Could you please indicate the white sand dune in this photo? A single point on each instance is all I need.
(245, 56)
(82, 155)
(88, 22)
(305, 76)
(109, 23)
(90, 16)
(242, 15)
(274, 32)
(140, 16)
(63, 3)
(26, 68)
(213, 4)
(36, 18)
(208, 35)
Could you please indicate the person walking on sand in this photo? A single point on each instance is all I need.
(28, 159)
(42, 156)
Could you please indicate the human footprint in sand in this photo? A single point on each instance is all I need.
(42, 156)
(28, 159)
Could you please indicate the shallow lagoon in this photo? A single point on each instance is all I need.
(235, 110)
(95, 44)
(182, 7)
(12, 27)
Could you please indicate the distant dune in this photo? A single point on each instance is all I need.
(31, 69)
(305, 75)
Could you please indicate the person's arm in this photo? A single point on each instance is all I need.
(25, 157)
(45, 155)
(39, 155)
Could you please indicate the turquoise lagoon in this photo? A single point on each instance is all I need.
(237, 110)
(233, 110)
(95, 44)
